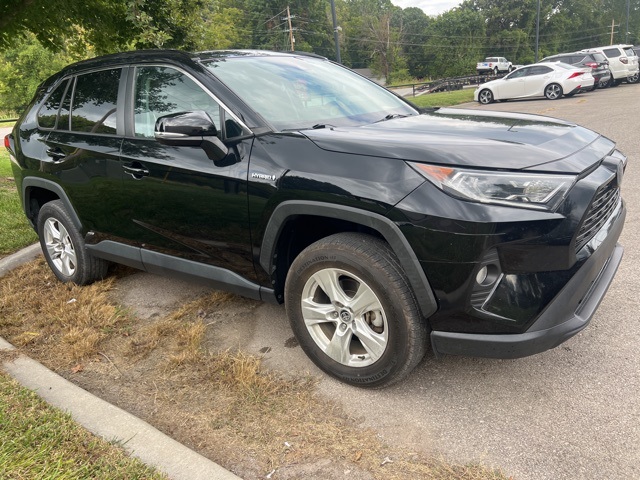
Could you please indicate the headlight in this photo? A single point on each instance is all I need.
(526, 190)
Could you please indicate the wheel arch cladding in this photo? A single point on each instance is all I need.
(384, 226)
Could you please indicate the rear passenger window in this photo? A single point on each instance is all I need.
(49, 111)
(93, 108)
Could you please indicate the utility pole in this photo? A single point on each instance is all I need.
(613, 25)
(537, 31)
(336, 37)
(291, 39)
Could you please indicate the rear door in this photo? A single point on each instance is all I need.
(179, 203)
(84, 147)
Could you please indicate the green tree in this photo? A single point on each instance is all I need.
(456, 42)
(24, 65)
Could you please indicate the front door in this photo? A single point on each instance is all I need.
(179, 202)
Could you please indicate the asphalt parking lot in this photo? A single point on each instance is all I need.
(569, 413)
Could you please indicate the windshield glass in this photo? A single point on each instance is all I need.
(295, 93)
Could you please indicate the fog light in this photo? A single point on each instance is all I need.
(487, 275)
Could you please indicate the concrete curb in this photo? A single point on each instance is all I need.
(23, 256)
(103, 419)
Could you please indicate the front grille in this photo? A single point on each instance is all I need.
(601, 209)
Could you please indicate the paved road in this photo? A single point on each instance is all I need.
(570, 413)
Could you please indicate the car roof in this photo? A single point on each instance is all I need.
(176, 57)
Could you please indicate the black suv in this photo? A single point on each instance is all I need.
(597, 61)
(289, 178)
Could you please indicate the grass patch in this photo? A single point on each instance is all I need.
(443, 99)
(38, 441)
(16, 231)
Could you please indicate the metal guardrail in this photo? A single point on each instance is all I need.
(447, 84)
(8, 120)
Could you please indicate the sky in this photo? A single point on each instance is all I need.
(430, 7)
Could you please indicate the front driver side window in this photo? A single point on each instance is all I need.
(162, 91)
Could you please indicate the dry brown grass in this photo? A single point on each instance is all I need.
(222, 403)
(63, 323)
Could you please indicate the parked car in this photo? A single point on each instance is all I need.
(495, 65)
(550, 80)
(596, 61)
(623, 62)
(385, 230)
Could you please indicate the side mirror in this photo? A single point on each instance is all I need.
(191, 129)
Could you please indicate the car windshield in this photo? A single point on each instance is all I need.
(629, 51)
(296, 92)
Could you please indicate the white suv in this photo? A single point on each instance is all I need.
(623, 62)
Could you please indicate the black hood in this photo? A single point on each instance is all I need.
(459, 137)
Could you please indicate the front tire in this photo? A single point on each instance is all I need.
(485, 97)
(553, 91)
(64, 248)
(353, 312)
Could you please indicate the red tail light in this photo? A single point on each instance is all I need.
(6, 141)
(624, 60)
(591, 64)
(575, 74)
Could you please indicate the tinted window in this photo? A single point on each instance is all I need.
(521, 72)
(491, 59)
(94, 102)
(540, 70)
(611, 52)
(162, 91)
(49, 110)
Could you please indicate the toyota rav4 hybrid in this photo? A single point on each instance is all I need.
(385, 230)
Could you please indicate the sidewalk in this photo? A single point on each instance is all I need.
(103, 419)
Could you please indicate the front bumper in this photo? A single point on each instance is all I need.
(569, 312)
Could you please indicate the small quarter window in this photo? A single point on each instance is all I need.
(49, 111)
(93, 108)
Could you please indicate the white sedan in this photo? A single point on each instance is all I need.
(551, 80)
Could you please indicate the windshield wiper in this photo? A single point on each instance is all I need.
(391, 116)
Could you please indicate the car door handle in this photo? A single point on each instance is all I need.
(136, 170)
(56, 154)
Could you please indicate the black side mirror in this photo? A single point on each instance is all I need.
(193, 129)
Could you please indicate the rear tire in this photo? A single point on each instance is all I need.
(64, 248)
(633, 78)
(353, 312)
